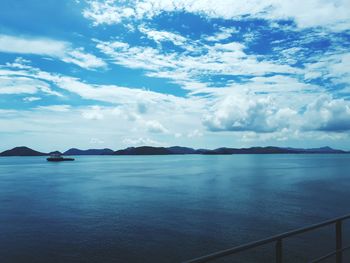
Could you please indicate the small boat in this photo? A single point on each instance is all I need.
(56, 157)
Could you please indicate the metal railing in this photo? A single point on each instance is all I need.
(278, 239)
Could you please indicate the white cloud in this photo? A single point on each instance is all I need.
(96, 141)
(223, 34)
(93, 113)
(154, 126)
(31, 99)
(116, 94)
(194, 133)
(334, 67)
(282, 115)
(49, 47)
(140, 100)
(248, 112)
(141, 142)
(19, 63)
(57, 108)
(105, 12)
(331, 14)
(36, 46)
(281, 84)
(83, 60)
(186, 68)
(328, 114)
(18, 86)
(161, 36)
(24, 85)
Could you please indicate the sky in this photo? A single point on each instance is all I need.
(203, 74)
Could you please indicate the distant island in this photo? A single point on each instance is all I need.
(150, 150)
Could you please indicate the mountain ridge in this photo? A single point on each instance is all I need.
(22, 151)
(75, 151)
(173, 150)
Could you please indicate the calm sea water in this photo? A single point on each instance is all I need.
(166, 208)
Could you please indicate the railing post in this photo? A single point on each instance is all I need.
(279, 251)
(338, 241)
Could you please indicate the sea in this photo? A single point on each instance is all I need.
(169, 208)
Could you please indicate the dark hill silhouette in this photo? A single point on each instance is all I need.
(181, 150)
(143, 150)
(75, 151)
(22, 151)
(150, 150)
(252, 150)
(325, 149)
(271, 150)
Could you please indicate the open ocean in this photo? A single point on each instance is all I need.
(167, 208)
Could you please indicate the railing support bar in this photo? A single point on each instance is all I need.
(278, 243)
(279, 251)
(338, 242)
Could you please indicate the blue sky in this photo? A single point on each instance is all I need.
(205, 74)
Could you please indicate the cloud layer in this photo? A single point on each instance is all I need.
(52, 48)
(165, 72)
(331, 14)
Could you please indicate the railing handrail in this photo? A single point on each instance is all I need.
(260, 242)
